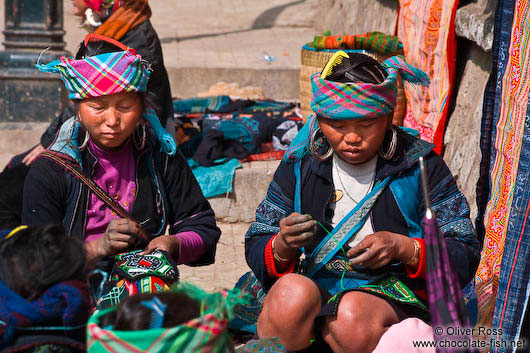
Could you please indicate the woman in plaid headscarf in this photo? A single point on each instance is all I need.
(116, 141)
(346, 196)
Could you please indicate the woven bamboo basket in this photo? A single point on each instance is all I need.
(314, 61)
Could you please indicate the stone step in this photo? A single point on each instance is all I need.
(250, 186)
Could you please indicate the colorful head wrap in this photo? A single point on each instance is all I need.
(98, 5)
(353, 100)
(106, 74)
(101, 75)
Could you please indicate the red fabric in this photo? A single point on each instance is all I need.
(267, 156)
(421, 271)
(271, 265)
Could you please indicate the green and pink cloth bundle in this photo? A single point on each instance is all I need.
(206, 333)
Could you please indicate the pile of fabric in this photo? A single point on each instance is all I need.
(215, 133)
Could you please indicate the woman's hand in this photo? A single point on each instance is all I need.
(119, 235)
(168, 243)
(378, 249)
(296, 231)
(33, 154)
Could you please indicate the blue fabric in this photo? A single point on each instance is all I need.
(66, 302)
(215, 180)
(409, 203)
(200, 104)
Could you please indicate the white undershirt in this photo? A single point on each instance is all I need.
(357, 180)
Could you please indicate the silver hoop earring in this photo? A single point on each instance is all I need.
(85, 141)
(388, 154)
(70, 133)
(141, 144)
(314, 147)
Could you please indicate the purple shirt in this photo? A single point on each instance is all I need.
(115, 173)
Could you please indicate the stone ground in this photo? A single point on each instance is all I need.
(229, 264)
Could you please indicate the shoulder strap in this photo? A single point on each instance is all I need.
(99, 192)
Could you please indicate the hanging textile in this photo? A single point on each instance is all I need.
(503, 191)
(426, 29)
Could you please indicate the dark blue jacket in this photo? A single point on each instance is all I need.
(450, 205)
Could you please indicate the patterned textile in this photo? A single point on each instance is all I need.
(101, 75)
(132, 265)
(503, 197)
(67, 303)
(134, 273)
(426, 29)
(335, 100)
(373, 41)
(201, 104)
(246, 316)
(206, 333)
(446, 302)
(120, 289)
(263, 345)
(389, 288)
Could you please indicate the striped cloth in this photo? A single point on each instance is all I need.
(101, 75)
(357, 100)
(426, 29)
(374, 41)
(503, 192)
(207, 333)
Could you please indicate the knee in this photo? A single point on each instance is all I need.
(356, 327)
(292, 300)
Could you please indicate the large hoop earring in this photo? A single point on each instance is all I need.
(140, 144)
(388, 154)
(70, 133)
(314, 147)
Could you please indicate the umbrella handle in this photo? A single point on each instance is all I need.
(429, 214)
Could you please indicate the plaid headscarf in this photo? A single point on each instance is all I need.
(207, 333)
(106, 74)
(101, 75)
(354, 100)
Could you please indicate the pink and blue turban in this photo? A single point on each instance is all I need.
(353, 100)
(106, 74)
(101, 75)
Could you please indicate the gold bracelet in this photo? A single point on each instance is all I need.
(416, 257)
(275, 254)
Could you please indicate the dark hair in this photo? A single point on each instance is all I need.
(358, 68)
(95, 47)
(35, 258)
(131, 315)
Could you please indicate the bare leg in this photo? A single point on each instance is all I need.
(361, 320)
(289, 311)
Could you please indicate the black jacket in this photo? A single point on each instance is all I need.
(51, 195)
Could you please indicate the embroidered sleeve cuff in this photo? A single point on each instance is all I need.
(421, 271)
(271, 265)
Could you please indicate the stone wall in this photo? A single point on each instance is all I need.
(474, 26)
